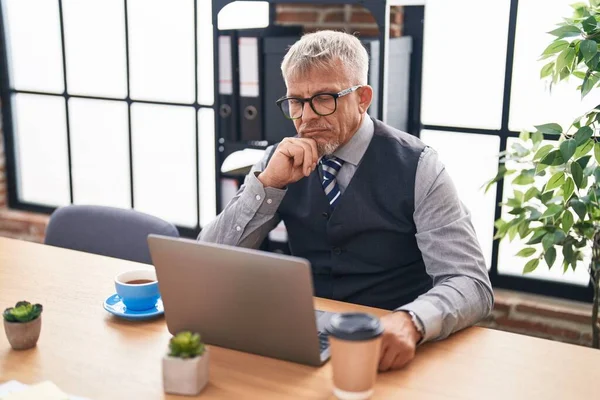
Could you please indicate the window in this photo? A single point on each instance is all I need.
(481, 87)
(110, 107)
(469, 173)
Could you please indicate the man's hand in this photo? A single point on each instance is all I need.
(399, 343)
(293, 159)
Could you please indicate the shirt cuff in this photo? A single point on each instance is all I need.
(263, 200)
(429, 315)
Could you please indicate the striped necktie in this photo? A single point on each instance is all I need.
(330, 166)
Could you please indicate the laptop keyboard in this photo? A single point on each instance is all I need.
(323, 341)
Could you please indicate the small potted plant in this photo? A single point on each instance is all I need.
(185, 368)
(22, 324)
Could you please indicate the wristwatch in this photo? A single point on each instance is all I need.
(417, 323)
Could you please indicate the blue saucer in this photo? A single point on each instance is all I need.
(115, 306)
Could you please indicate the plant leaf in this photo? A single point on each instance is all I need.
(531, 266)
(555, 47)
(588, 48)
(526, 252)
(597, 152)
(583, 150)
(525, 178)
(583, 134)
(568, 253)
(567, 220)
(566, 31)
(531, 193)
(552, 210)
(577, 173)
(537, 138)
(567, 149)
(589, 24)
(547, 70)
(568, 188)
(548, 241)
(550, 129)
(543, 151)
(550, 256)
(537, 236)
(502, 171)
(546, 196)
(548, 159)
(583, 161)
(579, 208)
(590, 79)
(565, 59)
(556, 180)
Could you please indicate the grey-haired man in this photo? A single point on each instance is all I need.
(372, 208)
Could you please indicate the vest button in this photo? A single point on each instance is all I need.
(337, 251)
(325, 215)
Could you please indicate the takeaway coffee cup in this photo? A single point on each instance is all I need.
(355, 343)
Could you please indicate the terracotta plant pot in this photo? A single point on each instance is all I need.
(185, 376)
(23, 335)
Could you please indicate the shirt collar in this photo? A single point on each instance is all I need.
(353, 151)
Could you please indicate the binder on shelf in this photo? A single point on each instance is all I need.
(277, 126)
(228, 113)
(250, 65)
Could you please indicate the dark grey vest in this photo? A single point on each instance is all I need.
(365, 251)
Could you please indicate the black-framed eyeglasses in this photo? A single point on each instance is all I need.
(322, 104)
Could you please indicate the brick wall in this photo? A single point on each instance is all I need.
(347, 18)
(543, 317)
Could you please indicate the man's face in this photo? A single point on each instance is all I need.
(335, 130)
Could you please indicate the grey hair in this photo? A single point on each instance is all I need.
(322, 50)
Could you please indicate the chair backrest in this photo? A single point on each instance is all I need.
(107, 231)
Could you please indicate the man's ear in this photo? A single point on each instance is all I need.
(365, 95)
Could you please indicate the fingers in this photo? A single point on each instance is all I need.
(303, 153)
(308, 158)
(315, 152)
(387, 358)
(395, 353)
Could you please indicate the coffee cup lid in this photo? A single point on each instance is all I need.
(354, 326)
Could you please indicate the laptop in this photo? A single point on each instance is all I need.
(242, 299)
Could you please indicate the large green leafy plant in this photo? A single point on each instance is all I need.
(555, 170)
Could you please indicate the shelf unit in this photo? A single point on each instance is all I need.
(414, 13)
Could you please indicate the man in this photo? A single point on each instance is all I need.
(371, 208)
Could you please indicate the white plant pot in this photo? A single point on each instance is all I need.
(185, 376)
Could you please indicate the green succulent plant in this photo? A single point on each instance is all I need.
(23, 311)
(186, 345)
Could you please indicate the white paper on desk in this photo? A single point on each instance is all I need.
(11, 387)
(15, 390)
(248, 59)
(41, 391)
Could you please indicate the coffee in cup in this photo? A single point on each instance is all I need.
(138, 289)
(354, 345)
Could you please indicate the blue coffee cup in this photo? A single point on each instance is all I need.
(138, 289)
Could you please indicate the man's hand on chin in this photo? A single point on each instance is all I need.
(399, 343)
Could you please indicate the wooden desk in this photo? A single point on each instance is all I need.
(88, 352)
